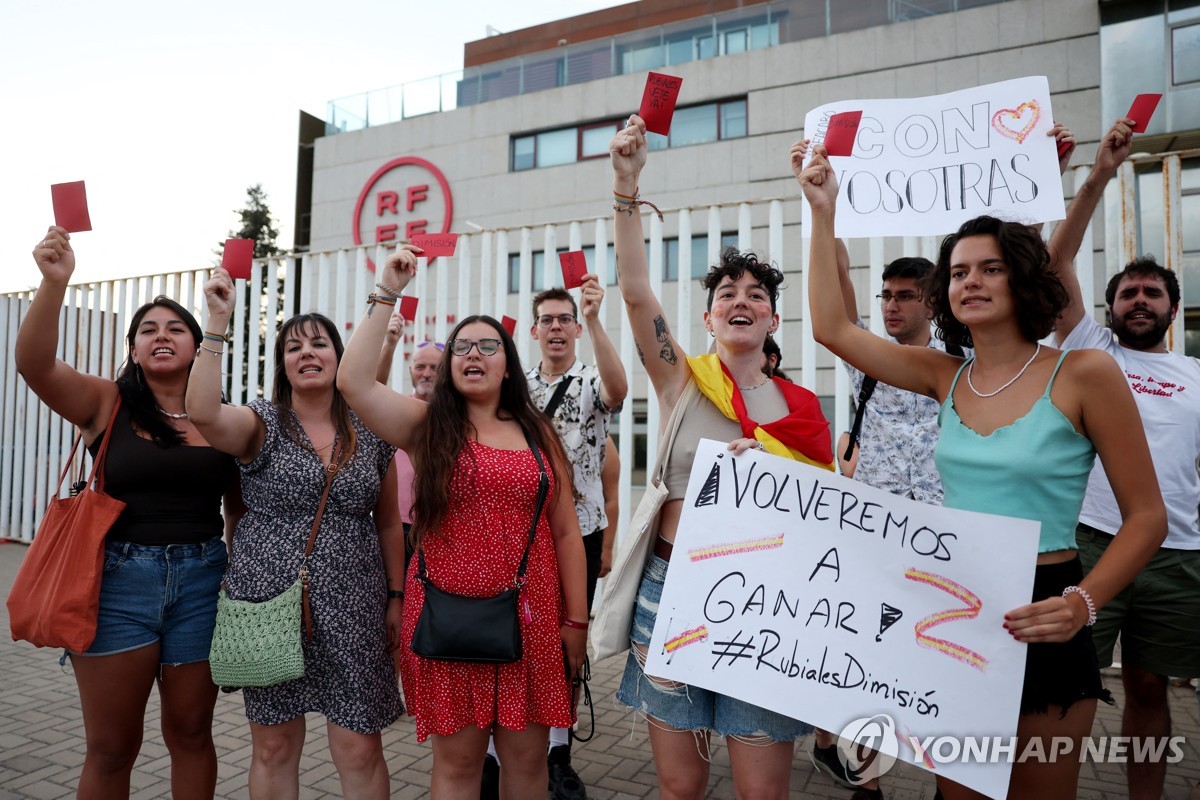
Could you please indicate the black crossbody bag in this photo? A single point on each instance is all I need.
(453, 627)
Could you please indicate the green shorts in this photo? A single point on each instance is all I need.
(1157, 616)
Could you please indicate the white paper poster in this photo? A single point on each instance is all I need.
(922, 166)
(827, 600)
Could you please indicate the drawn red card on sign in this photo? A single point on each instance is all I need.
(237, 258)
(70, 206)
(436, 244)
(658, 101)
(574, 267)
(509, 324)
(839, 135)
(408, 308)
(1142, 110)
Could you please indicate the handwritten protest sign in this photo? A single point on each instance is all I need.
(830, 601)
(923, 166)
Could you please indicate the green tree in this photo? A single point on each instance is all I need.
(257, 224)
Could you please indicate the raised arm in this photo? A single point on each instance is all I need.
(236, 430)
(394, 417)
(917, 369)
(1065, 241)
(665, 362)
(83, 400)
(613, 385)
(798, 155)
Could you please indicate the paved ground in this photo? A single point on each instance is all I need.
(42, 745)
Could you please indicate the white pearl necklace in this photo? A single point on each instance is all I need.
(971, 367)
(165, 413)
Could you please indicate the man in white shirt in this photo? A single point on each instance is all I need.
(1158, 615)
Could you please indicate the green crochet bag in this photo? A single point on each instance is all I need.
(258, 644)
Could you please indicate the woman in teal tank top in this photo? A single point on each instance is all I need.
(1020, 423)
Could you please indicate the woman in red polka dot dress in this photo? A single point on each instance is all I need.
(475, 494)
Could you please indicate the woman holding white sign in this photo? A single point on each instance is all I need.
(1014, 441)
(720, 395)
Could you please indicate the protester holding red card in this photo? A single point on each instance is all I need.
(288, 448)
(481, 450)
(723, 394)
(150, 630)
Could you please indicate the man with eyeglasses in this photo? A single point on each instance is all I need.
(581, 400)
(895, 431)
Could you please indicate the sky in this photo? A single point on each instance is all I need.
(169, 111)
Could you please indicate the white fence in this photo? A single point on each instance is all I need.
(35, 442)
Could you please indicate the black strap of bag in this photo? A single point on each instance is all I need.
(543, 490)
(557, 398)
(330, 471)
(864, 395)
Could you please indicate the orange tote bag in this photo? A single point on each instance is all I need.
(56, 595)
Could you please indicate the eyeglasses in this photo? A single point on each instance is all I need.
(546, 320)
(486, 347)
(899, 297)
(437, 345)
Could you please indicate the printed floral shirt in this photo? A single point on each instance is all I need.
(899, 434)
(582, 421)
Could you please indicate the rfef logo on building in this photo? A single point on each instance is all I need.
(405, 197)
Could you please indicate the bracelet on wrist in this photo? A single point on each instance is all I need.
(576, 624)
(216, 337)
(395, 594)
(210, 350)
(388, 290)
(373, 299)
(1087, 600)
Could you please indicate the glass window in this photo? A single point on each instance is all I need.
(593, 142)
(1185, 54)
(694, 125)
(680, 51)
(514, 271)
(556, 147)
(733, 119)
(700, 261)
(764, 35)
(522, 155)
(706, 47)
(735, 42)
(656, 141)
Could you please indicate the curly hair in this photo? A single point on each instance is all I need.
(1145, 267)
(136, 394)
(447, 427)
(733, 264)
(312, 324)
(1038, 296)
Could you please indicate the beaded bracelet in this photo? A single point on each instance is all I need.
(373, 298)
(579, 626)
(1087, 599)
(387, 290)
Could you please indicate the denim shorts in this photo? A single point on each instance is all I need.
(690, 707)
(165, 594)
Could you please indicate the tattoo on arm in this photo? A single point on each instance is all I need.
(641, 355)
(663, 334)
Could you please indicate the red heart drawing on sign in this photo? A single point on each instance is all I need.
(1022, 120)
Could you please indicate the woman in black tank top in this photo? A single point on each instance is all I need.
(172, 483)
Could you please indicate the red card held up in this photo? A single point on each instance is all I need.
(840, 133)
(70, 206)
(658, 101)
(408, 308)
(436, 244)
(574, 267)
(1142, 110)
(1064, 146)
(509, 324)
(237, 257)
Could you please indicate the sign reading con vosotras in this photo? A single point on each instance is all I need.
(922, 166)
(827, 600)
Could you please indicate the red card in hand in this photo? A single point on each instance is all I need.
(658, 101)
(1142, 110)
(574, 267)
(237, 258)
(1064, 146)
(408, 308)
(70, 206)
(840, 133)
(436, 244)
(509, 324)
